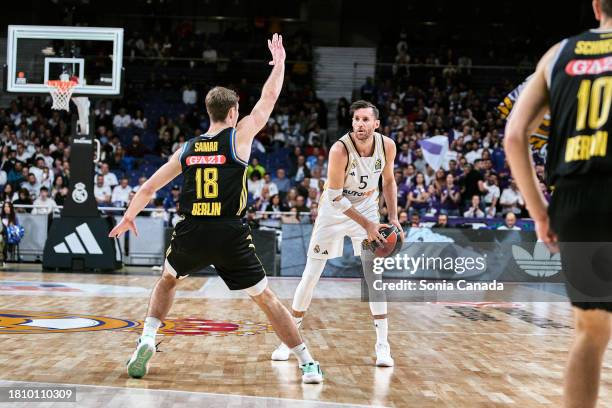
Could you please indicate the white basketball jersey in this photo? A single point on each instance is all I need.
(362, 175)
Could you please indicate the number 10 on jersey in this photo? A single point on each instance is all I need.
(206, 182)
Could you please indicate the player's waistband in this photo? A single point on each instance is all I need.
(230, 219)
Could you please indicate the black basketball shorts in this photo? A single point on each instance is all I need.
(581, 214)
(225, 243)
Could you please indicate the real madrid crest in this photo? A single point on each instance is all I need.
(79, 194)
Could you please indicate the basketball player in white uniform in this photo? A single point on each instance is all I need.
(350, 207)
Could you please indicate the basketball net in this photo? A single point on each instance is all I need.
(61, 91)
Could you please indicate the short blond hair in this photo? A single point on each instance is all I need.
(219, 101)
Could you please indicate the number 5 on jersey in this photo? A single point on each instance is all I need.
(206, 182)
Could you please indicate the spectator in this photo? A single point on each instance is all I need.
(271, 186)
(368, 90)
(255, 166)
(509, 222)
(251, 218)
(171, 201)
(136, 149)
(511, 200)
(491, 196)
(418, 197)
(102, 192)
(44, 204)
(276, 207)
(23, 198)
(209, 55)
(282, 182)
(38, 169)
(293, 218)
(121, 193)
(7, 193)
(403, 219)
(31, 185)
(415, 220)
(190, 96)
(474, 210)
(255, 184)
(301, 170)
(122, 119)
(139, 121)
(300, 204)
(164, 145)
(141, 181)
(110, 179)
(442, 221)
(59, 191)
(450, 197)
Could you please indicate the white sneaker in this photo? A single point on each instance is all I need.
(138, 366)
(282, 353)
(383, 355)
(311, 373)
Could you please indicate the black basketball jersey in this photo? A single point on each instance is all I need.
(214, 178)
(580, 99)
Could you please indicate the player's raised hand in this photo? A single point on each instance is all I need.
(123, 226)
(276, 48)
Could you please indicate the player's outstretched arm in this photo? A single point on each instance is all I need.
(389, 187)
(338, 160)
(160, 178)
(250, 125)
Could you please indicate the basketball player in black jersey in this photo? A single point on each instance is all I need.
(574, 80)
(212, 203)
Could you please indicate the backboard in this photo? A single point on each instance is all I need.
(37, 54)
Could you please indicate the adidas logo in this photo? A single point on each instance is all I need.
(325, 252)
(80, 242)
(541, 264)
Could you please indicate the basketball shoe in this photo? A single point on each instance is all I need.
(311, 373)
(383, 355)
(138, 366)
(282, 353)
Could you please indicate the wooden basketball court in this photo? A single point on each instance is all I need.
(80, 329)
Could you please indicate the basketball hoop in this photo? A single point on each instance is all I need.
(61, 91)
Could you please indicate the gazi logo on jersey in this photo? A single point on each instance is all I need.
(216, 159)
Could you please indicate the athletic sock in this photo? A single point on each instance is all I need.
(298, 321)
(302, 354)
(381, 326)
(151, 325)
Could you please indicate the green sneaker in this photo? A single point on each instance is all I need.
(138, 366)
(311, 373)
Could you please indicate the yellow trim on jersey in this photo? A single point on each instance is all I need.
(243, 194)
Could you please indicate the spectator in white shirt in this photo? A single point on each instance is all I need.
(45, 204)
(122, 119)
(38, 169)
(22, 154)
(510, 223)
(491, 197)
(474, 211)
(209, 55)
(31, 185)
(139, 121)
(121, 193)
(511, 199)
(141, 181)
(102, 192)
(272, 188)
(190, 96)
(110, 179)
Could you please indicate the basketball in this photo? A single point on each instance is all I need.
(392, 245)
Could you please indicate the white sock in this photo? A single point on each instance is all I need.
(151, 325)
(302, 354)
(382, 327)
(298, 321)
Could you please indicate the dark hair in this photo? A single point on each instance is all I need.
(606, 7)
(11, 217)
(361, 104)
(43, 188)
(219, 101)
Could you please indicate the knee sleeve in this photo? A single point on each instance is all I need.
(310, 277)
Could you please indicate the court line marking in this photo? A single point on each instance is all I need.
(212, 394)
(448, 332)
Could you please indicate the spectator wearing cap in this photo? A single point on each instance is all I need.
(509, 223)
(172, 199)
